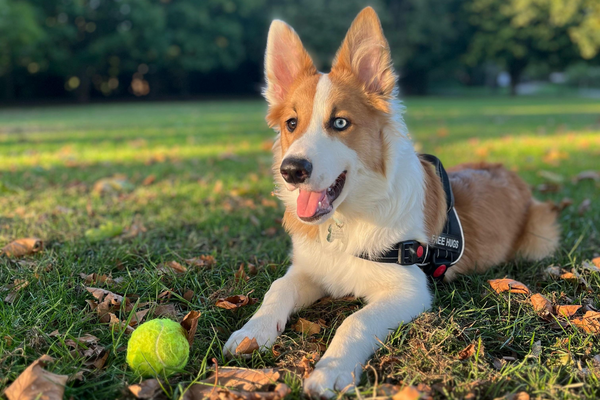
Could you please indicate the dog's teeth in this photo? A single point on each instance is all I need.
(320, 205)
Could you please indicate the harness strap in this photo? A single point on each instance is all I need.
(443, 250)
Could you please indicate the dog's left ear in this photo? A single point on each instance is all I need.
(366, 54)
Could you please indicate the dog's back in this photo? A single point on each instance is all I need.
(500, 218)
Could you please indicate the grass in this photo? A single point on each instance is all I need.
(209, 193)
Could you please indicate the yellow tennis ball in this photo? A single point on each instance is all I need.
(158, 348)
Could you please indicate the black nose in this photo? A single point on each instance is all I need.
(295, 170)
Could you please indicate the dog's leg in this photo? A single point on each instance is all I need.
(290, 293)
(358, 337)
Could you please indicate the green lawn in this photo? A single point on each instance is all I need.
(198, 181)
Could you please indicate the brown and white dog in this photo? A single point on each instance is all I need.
(343, 160)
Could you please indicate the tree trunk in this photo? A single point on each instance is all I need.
(85, 85)
(515, 69)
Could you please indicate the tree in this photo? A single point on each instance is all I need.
(518, 33)
(20, 33)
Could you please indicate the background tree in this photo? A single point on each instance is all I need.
(518, 33)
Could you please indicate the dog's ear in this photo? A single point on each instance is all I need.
(285, 61)
(366, 54)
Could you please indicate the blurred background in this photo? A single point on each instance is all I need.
(104, 50)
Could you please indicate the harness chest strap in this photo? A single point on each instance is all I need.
(443, 250)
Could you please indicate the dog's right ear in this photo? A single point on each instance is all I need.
(285, 61)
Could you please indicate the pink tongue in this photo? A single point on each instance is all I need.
(308, 203)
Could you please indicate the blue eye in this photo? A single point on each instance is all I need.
(340, 124)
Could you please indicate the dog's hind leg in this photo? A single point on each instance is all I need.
(541, 232)
(290, 293)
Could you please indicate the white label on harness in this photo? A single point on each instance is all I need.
(444, 241)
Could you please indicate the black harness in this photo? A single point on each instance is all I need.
(443, 250)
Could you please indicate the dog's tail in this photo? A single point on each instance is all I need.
(541, 232)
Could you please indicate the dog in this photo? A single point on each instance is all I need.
(354, 188)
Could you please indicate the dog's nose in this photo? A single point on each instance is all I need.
(295, 170)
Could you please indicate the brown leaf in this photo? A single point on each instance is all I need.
(190, 324)
(518, 396)
(592, 175)
(584, 206)
(136, 319)
(172, 266)
(247, 346)
(99, 362)
(245, 383)
(564, 203)
(553, 270)
(203, 261)
(596, 262)
(149, 180)
(568, 275)
(23, 247)
(241, 274)
(541, 304)
(590, 322)
(233, 302)
(306, 327)
(407, 393)
(467, 352)
(188, 295)
(307, 364)
(508, 285)
(146, 389)
(166, 310)
(567, 311)
(37, 383)
(85, 339)
(14, 289)
(95, 278)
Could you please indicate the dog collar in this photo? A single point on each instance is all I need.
(443, 250)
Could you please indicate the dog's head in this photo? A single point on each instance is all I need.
(331, 126)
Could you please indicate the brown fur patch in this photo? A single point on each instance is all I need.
(298, 104)
(494, 205)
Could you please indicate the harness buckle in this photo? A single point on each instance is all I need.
(412, 252)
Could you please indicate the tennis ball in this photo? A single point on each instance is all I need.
(158, 348)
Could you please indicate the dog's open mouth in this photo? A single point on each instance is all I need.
(313, 205)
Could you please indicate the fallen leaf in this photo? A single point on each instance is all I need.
(270, 232)
(467, 352)
(166, 310)
(548, 188)
(553, 270)
(37, 383)
(550, 176)
(541, 304)
(203, 261)
(596, 262)
(591, 175)
(149, 180)
(95, 278)
(239, 384)
(146, 389)
(407, 393)
(247, 346)
(190, 324)
(567, 311)
(508, 285)
(564, 203)
(568, 275)
(172, 266)
(104, 231)
(233, 302)
(188, 295)
(14, 289)
(307, 364)
(536, 349)
(85, 339)
(116, 184)
(240, 275)
(136, 319)
(135, 229)
(499, 363)
(23, 247)
(590, 322)
(518, 396)
(306, 327)
(584, 206)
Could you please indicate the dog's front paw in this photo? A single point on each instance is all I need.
(265, 336)
(324, 381)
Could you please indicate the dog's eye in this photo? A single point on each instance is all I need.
(291, 124)
(339, 124)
